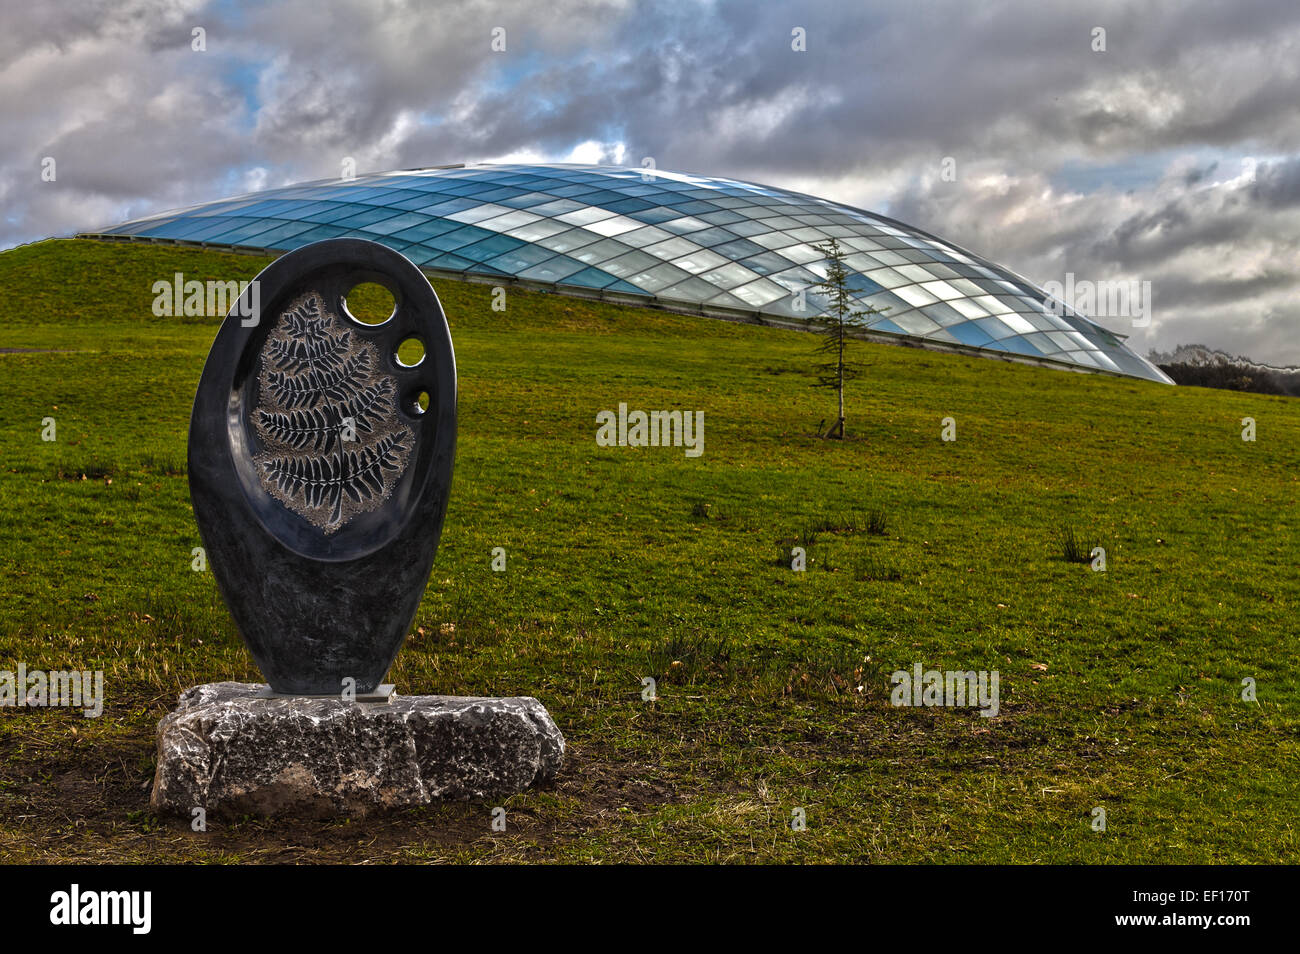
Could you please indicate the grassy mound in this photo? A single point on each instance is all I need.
(1119, 689)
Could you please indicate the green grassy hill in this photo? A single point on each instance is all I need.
(1120, 690)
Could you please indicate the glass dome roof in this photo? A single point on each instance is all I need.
(657, 237)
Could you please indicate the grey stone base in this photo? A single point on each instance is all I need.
(386, 692)
(229, 748)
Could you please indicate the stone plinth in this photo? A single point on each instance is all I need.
(229, 748)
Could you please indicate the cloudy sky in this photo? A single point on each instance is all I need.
(1171, 156)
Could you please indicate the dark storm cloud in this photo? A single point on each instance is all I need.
(1012, 91)
(1277, 184)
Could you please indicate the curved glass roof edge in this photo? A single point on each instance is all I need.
(663, 238)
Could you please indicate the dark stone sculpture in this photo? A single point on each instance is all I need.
(319, 483)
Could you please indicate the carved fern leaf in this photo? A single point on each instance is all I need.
(322, 482)
(333, 443)
(312, 386)
(295, 355)
(370, 405)
(311, 428)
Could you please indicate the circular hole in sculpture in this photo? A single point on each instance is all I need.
(369, 304)
(421, 402)
(410, 352)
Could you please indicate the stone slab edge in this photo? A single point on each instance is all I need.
(230, 749)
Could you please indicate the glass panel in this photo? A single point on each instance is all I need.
(696, 207)
(614, 225)
(589, 278)
(994, 327)
(968, 308)
(1017, 323)
(456, 238)
(699, 261)
(672, 248)
(538, 230)
(271, 238)
(397, 223)
(759, 293)
(655, 215)
(477, 214)
(334, 212)
(627, 206)
(794, 279)
(914, 273)
(527, 200)
(645, 236)
(584, 216)
(693, 289)
(1105, 361)
(714, 235)
(194, 229)
(497, 195)
(445, 206)
(489, 248)
(153, 226)
(746, 228)
(966, 287)
(718, 218)
(452, 263)
(727, 300)
(915, 295)
(684, 225)
(1042, 343)
(1043, 322)
(729, 275)
(970, 334)
(601, 251)
(409, 201)
(991, 305)
(1082, 357)
(888, 278)
(428, 230)
(518, 259)
(1018, 345)
(764, 263)
(319, 234)
(568, 240)
(557, 207)
(944, 313)
(914, 322)
(737, 248)
(862, 263)
(771, 240)
(661, 276)
(511, 220)
(941, 290)
(629, 264)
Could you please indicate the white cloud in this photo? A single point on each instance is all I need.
(1011, 90)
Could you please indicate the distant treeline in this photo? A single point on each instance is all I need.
(1204, 367)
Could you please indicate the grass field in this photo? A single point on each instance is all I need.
(1120, 690)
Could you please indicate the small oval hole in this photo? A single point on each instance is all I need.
(369, 304)
(410, 352)
(421, 402)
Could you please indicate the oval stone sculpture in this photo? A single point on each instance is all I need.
(320, 464)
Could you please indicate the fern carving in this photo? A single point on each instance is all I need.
(333, 445)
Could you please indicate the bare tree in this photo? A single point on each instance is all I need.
(841, 317)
